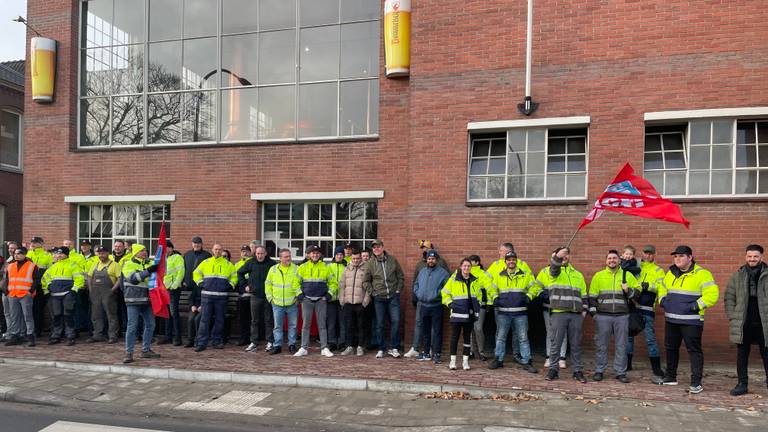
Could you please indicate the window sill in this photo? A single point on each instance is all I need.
(723, 199)
(531, 202)
(211, 144)
(11, 169)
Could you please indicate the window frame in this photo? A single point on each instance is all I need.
(137, 238)
(218, 88)
(507, 127)
(20, 167)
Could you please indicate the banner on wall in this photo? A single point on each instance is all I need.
(43, 65)
(397, 38)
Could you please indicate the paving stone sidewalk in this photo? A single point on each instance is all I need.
(718, 380)
(241, 405)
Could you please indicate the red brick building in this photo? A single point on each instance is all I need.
(11, 145)
(267, 120)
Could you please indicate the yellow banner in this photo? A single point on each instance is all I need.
(397, 37)
(43, 65)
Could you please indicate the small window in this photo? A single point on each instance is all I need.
(11, 133)
(137, 223)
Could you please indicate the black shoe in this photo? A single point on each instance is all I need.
(189, 344)
(177, 343)
(471, 355)
(552, 375)
(149, 354)
(70, 342)
(112, 341)
(243, 342)
(740, 389)
(218, 346)
(483, 358)
(14, 340)
(656, 366)
(292, 349)
(629, 362)
(276, 350)
(199, 348)
(622, 379)
(31, 341)
(54, 341)
(530, 368)
(597, 376)
(579, 376)
(163, 341)
(496, 364)
(128, 358)
(333, 346)
(94, 339)
(665, 380)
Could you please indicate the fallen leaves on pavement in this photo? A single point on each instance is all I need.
(505, 397)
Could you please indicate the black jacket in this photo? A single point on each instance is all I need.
(193, 259)
(253, 273)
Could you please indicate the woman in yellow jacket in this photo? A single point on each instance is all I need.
(461, 294)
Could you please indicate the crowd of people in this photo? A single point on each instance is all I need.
(351, 296)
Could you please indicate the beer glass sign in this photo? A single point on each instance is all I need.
(43, 65)
(397, 37)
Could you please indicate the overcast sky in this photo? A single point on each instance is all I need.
(12, 34)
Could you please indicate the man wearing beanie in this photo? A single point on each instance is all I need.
(136, 274)
(62, 280)
(426, 291)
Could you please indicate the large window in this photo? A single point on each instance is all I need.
(720, 157)
(297, 225)
(206, 71)
(138, 223)
(10, 140)
(520, 164)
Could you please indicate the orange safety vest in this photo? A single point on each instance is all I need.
(20, 279)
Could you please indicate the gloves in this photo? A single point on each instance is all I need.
(495, 302)
(152, 268)
(300, 297)
(328, 297)
(414, 302)
(645, 286)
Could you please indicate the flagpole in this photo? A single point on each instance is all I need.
(572, 237)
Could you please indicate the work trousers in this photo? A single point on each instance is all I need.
(618, 327)
(62, 314)
(478, 335)
(353, 319)
(104, 306)
(551, 335)
(566, 324)
(319, 307)
(22, 312)
(212, 320)
(674, 335)
(262, 320)
(465, 329)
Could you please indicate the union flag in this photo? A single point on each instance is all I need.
(158, 294)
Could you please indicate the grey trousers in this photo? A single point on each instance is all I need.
(21, 312)
(319, 307)
(478, 336)
(14, 327)
(566, 324)
(551, 335)
(618, 327)
(63, 316)
(104, 308)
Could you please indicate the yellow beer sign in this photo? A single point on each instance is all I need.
(397, 37)
(43, 65)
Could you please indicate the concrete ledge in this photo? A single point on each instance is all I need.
(331, 383)
(151, 372)
(42, 363)
(192, 375)
(402, 387)
(277, 380)
(84, 367)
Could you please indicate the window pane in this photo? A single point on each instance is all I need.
(721, 156)
(237, 58)
(127, 120)
(319, 58)
(536, 139)
(277, 14)
(128, 69)
(239, 15)
(496, 187)
(498, 147)
(534, 187)
(283, 211)
(84, 212)
(318, 12)
(516, 139)
(239, 114)
(164, 19)
(359, 107)
(371, 210)
(675, 183)
(746, 182)
(556, 146)
(673, 142)
(576, 163)
(721, 182)
(9, 138)
(516, 163)
(297, 211)
(555, 186)
(496, 166)
(656, 178)
(745, 133)
(478, 167)
(535, 163)
(577, 145)
(200, 18)
(270, 211)
(164, 118)
(371, 230)
(98, 22)
(360, 50)
(313, 229)
(317, 110)
(276, 112)
(356, 230)
(314, 212)
(297, 230)
(700, 132)
(342, 230)
(700, 157)
(129, 21)
(96, 71)
(722, 131)
(556, 164)
(279, 48)
(762, 153)
(652, 143)
(516, 187)
(199, 116)
(342, 210)
(164, 66)
(199, 69)
(653, 161)
(762, 132)
(95, 120)
(480, 148)
(575, 185)
(283, 230)
(358, 10)
(674, 160)
(477, 188)
(762, 187)
(699, 183)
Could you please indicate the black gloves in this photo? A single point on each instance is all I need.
(644, 285)
(152, 268)
(328, 297)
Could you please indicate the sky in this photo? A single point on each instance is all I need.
(12, 34)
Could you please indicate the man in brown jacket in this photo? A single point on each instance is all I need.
(353, 299)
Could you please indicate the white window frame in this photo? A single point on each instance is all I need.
(20, 167)
(138, 237)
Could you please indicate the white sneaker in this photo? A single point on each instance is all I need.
(411, 353)
(465, 363)
(546, 363)
(562, 364)
(394, 353)
(326, 352)
(301, 352)
(380, 354)
(268, 347)
(348, 351)
(360, 351)
(251, 347)
(452, 364)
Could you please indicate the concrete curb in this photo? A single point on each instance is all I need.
(301, 381)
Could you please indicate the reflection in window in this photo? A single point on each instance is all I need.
(103, 224)
(10, 139)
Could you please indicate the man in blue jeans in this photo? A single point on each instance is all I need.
(512, 289)
(384, 281)
(281, 287)
(429, 309)
(136, 274)
(651, 277)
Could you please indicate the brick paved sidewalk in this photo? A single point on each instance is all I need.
(718, 379)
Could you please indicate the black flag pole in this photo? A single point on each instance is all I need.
(568, 245)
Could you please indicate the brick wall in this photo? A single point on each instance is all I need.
(611, 60)
(11, 181)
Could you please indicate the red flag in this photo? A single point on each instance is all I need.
(633, 195)
(159, 296)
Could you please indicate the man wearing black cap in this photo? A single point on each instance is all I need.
(651, 277)
(104, 281)
(192, 259)
(688, 290)
(43, 260)
(243, 298)
(23, 279)
(384, 281)
(62, 280)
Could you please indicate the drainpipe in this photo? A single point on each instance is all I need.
(528, 106)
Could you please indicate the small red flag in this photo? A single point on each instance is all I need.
(633, 195)
(159, 296)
